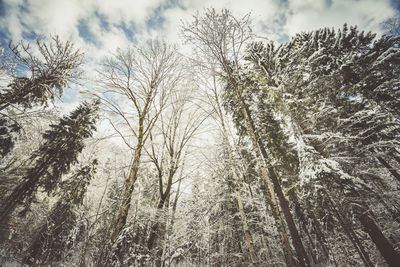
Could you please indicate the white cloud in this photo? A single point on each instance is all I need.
(55, 17)
(309, 15)
(272, 19)
(136, 11)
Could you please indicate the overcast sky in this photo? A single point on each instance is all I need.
(100, 26)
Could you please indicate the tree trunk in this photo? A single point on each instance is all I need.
(344, 221)
(346, 225)
(129, 186)
(298, 244)
(246, 230)
(175, 204)
(269, 185)
(303, 224)
(319, 234)
(389, 168)
(156, 225)
(384, 246)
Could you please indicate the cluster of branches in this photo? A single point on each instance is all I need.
(320, 116)
(26, 174)
(304, 171)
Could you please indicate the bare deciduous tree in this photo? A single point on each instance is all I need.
(223, 37)
(177, 127)
(392, 25)
(136, 84)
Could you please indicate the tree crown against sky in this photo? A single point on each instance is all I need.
(298, 166)
(99, 27)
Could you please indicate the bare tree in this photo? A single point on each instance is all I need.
(177, 127)
(136, 84)
(222, 37)
(392, 25)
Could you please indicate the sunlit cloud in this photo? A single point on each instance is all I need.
(99, 27)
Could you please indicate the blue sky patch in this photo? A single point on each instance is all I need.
(86, 34)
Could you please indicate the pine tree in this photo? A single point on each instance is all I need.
(223, 36)
(52, 239)
(63, 142)
(8, 130)
(56, 67)
(340, 91)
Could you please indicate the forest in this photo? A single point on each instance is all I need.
(241, 152)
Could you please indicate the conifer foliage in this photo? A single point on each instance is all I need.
(53, 239)
(56, 66)
(59, 151)
(339, 92)
(246, 153)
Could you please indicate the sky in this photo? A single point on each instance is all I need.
(99, 27)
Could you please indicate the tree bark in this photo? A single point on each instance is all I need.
(156, 225)
(320, 235)
(246, 230)
(298, 244)
(129, 186)
(346, 225)
(389, 168)
(303, 224)
(384, 246)
(268, 182)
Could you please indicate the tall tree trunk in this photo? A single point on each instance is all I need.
(393, 211)
(346, 225)
(175, 204)
(246, 230)
(156, 225)
(267, 179)
(320, 235)
(389, 168)
(384, 246)
(129, 186)
(303, 224)
(298, 244)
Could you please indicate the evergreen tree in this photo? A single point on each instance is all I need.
(339, 91)
(8, 130)
(222, 35)
(56, 67)
(63, 142)
(51, 242)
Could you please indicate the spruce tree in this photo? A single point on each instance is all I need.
(59, 151)
(8, 130)
(52, 239)
(340, 92)
(56, 67)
